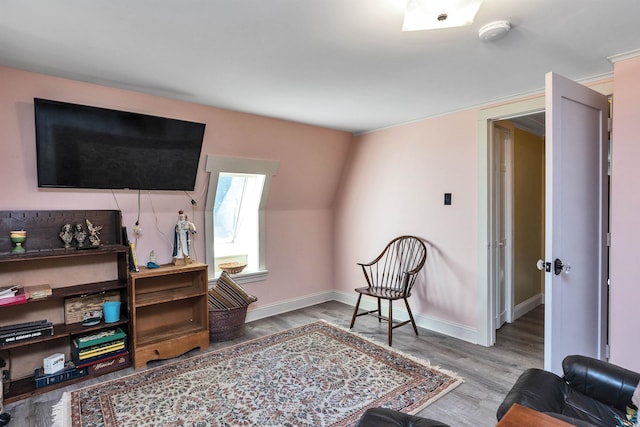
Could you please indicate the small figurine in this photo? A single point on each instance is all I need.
(66, 235)
(182, 240)
(80, 235)
(94, 233)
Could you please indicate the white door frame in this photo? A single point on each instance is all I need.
(486, 291)
(486, 309)
(503, 218)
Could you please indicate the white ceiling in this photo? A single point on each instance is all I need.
(342, 64)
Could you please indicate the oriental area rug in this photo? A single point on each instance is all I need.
(314, 375)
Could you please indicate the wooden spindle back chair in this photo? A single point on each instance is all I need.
(391, 276)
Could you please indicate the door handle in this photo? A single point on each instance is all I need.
(542, 265)
(559, 267)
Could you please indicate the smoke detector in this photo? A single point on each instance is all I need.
(494, 30)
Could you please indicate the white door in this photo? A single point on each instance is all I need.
(576, 220)
(500, 149)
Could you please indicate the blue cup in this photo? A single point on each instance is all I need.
(111, 310)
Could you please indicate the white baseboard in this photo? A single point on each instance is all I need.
(451, 329)
(527, 305)
(288, 305)
(444, 327)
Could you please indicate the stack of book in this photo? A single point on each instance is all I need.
(12, 334)
(101, 352)
(10, 295)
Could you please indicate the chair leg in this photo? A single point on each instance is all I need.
(355, 311)
(379, 311)
(390, 321)
(413, 322)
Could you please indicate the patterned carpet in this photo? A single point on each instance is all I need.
(313, 375)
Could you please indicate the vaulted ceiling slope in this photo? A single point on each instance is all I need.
(341, 64)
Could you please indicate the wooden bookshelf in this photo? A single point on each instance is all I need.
(169, 313)
(44, 252)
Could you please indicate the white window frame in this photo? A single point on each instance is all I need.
(217, 165)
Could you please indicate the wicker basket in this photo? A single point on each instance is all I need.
(232, 267)
(227, 324)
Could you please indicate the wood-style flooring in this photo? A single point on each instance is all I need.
(488, 372)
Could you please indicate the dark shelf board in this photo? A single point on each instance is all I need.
(78, 329)
(87, 289)
(35, 254)
(79, 290)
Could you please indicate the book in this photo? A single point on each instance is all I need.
(25, 325)
(107, 363)
(43, 380)
(23, 335)
(93, 352)
(81, 350)
(99, 338)
(19, 298)
(25, 330)
(96, 359)
(8, 291)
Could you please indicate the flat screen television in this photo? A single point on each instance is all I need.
(79, 146)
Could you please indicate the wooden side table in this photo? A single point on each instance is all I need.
(521, 416)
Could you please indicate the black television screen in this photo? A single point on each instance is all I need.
(79, 146)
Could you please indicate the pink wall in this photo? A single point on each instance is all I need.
(625, 214)
(299, 218)
(392, 183)
(395, 184)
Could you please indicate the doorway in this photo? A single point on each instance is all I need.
(517, 199)
(486, 307)
(487, 298)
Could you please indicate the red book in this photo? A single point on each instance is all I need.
(109, 363)
(19, 298)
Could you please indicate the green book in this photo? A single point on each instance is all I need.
(99, 338)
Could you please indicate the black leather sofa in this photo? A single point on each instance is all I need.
(383, 417)
(590, 393)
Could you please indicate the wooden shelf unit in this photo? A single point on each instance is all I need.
(169, 313)
(44, 255)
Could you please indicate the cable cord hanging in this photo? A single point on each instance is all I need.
(155, 216)
(116, 200)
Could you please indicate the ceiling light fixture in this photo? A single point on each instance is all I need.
(434, 14)
(494, 30)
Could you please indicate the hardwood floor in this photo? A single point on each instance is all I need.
(488, 372)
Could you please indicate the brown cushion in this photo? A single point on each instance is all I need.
(228, 294)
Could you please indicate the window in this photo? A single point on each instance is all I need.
(234, 227)
(235, 219)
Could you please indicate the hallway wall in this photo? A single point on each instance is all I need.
(528, 203)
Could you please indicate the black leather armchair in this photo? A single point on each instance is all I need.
(591, 392)
(383, 417)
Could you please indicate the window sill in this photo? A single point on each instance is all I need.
(248, 277)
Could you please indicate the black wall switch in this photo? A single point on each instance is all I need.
(447, 198)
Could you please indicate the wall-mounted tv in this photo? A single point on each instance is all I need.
(80, 146)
